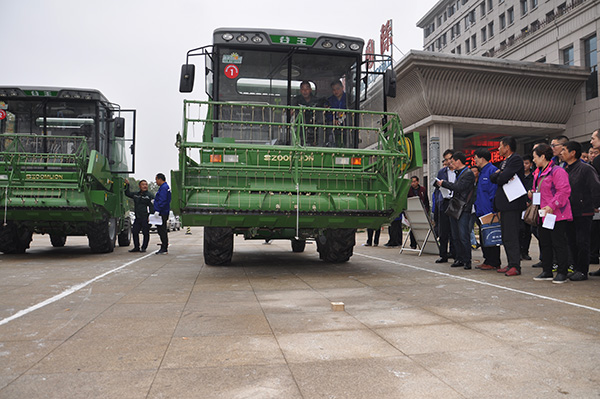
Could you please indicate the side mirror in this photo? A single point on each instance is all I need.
(186, 83)
(389, 82)
(119, 127)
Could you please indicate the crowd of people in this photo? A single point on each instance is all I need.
(555, 181)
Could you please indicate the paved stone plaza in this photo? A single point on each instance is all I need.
(171, 327)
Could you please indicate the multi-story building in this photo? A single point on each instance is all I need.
(561, 32)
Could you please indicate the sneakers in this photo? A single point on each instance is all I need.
(485, 267)
(525, 257)
(539, 264)
(578, 276)
(502, 270)
(544, 276)
(143, 250)
(560, 279)
(161, 252)
(513, 271)
(134, 250)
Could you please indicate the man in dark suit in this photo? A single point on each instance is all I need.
(441, 198)
(510, 211)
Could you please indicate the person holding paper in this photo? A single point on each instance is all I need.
(585, 198)
(510, 219)
(142, 206)
(441, 198)
(162, 206)
(484, 204)
(462, 189)
(552, 183)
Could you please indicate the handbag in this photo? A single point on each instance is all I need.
(455, 207)
(531, 215)
(491, 233)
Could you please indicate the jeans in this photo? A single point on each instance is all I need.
(462, 237)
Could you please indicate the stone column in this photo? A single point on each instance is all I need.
(440, 137)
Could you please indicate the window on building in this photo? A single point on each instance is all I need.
(482, 9)
(484, 34)
(451, 10)
(474, 41)
(561, 8)
(444, 42)
(464, 2)
(440, 21)
(568, 56)
(511, 15)
(590, 50)
(525, 30)
(466, 19)
(457, 29)
(502, 20)
(491, 29)
(457, 5)
(543, 59)
(467, 46)
(550, 16)
(472, 17)
(524, 9)
(453, 51)
(490, 5)
(535, 25)
(458, 49)
(534, 4)
(502, 44)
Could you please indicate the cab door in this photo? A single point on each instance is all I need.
(121, 152)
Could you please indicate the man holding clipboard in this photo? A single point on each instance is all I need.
(509, 203)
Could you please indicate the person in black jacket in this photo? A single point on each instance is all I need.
(510, 211)
(462, 189)
(585, 198)
(142, 201)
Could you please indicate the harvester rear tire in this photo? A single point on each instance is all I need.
(298, 245)
(336, 245)
(125, 235)
(14, 240)
(102, 235)
(218, 245)
(58, 240)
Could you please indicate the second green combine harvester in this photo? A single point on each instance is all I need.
(283, 150)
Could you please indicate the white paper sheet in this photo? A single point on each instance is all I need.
(537, 198)
(155, 220)
(549, 221)
(514, 189)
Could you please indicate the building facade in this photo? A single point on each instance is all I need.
(541, 31)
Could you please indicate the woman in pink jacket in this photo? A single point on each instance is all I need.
(553, 184)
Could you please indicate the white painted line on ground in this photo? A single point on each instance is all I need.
(68, 292)
(481, 282)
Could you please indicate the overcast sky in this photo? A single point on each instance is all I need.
(132, 50)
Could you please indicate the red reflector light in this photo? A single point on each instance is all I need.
(356, 161)
(216, 158)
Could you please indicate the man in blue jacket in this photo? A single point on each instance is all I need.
(484, 204)
(162, 207)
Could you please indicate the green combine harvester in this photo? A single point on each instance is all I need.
(283, 150)
(63, 157)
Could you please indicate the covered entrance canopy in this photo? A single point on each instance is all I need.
(462, 100)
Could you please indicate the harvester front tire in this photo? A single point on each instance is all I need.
(14, 240)
(218, 245)
(58, 240)
(336, 245)
(102, 236)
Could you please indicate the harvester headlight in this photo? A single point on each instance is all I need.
(354, 46)
(227, 36)
(340, 45)
(242, 38)
(327, 44)
(257, 39)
